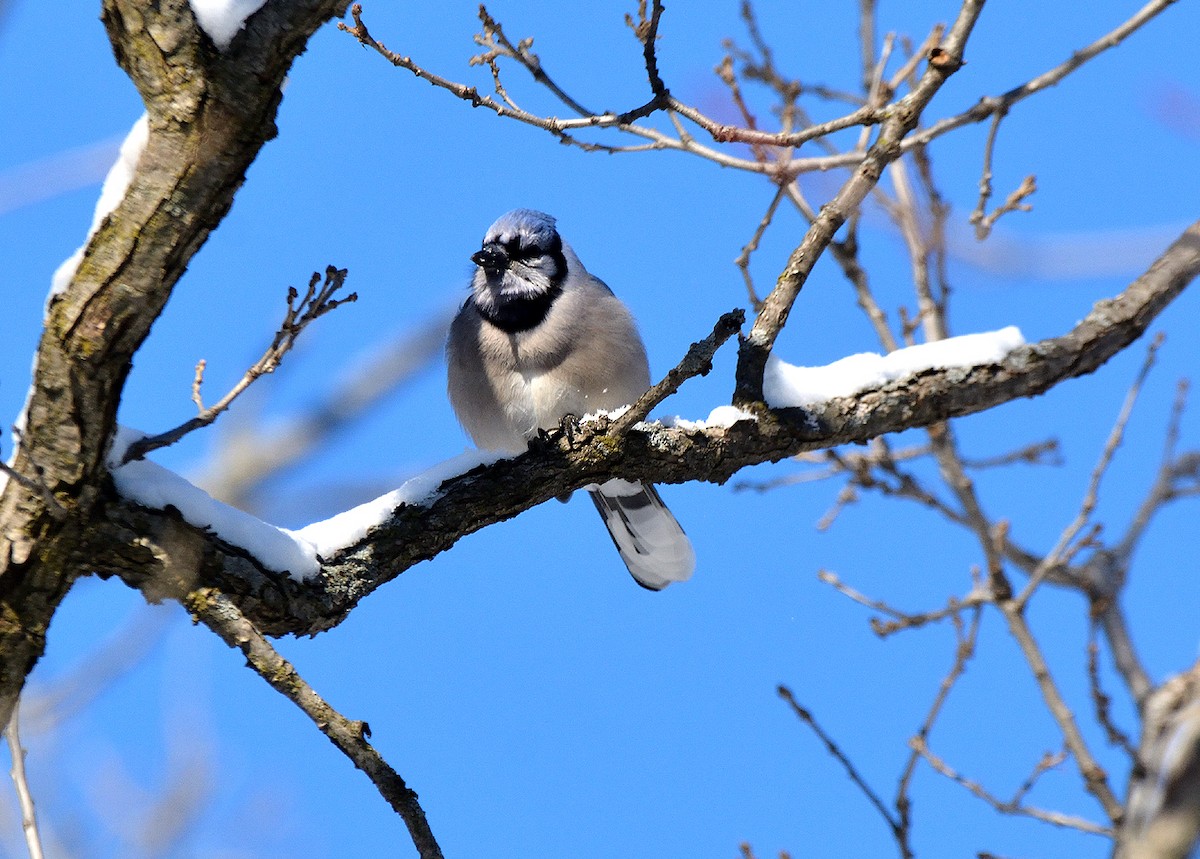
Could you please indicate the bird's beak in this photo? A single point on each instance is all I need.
(491, 257)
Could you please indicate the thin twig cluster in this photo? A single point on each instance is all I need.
(1080, 559)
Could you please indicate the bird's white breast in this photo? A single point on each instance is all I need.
(539, 401)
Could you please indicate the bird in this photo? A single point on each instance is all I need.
(538, 339)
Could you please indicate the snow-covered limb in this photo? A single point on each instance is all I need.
(347, 528)
(299, 552)
(279, 550)
(157, 488)
(722, 417)
(594, 453)
(112, 192)
(788, 386)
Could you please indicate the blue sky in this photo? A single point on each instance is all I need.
(539, 702)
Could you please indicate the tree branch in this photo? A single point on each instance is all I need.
(313, 305)
(218, 613)
(209, 114)
(697, 362)
(500, 491)
(29, 824)
(902, 118)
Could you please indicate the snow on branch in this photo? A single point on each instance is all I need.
(300, 553)
(297, 553)
(391, 538)
(788, 386)
(116, 183)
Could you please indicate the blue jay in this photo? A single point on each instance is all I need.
(540, 338)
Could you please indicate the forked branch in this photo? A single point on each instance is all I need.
(301, 312)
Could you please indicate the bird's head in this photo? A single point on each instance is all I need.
(522, 257)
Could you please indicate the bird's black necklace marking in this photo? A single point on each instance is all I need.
(520, 314)
(514, 315)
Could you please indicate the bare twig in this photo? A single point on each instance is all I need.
(1175, 473)
(909, 68)
(743, 258)
(724, 133)
(945, 450)
(835, 582)
(845, 253)
(935, 237)
(832, 747)
(1178, 476)
(846, 496)
(880, 471)
(993, 540)
(1048, 761)
(725, 72)
(975, 598)
(1045, 452)
(1053, 817)
(866, 40)
(33, 839)
(985, 178)
(907, 217)
(877, 96)
(1094, 777)
(697, 362)
(1057, 554)
(990, 106)
(252, 451)
(1120, 643)
(197, 381)
(763, 69)
(219, 613)
(1014, 202)
(838, 462)
(1116, 736)
(497, 45)
(963, 652)
(646, 30)
(301, 311)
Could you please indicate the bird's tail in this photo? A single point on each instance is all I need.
(650, 541)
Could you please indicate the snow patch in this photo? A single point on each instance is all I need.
(116, 183)
(112, 192)
(150, 485)
(222, 19)
(788, 386)
(722, 417)
(349, 527)
(612, 415)
(297, 553)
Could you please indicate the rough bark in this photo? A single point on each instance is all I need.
(210, 113)
(1162, 819)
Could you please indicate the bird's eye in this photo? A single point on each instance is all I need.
(526, 253)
